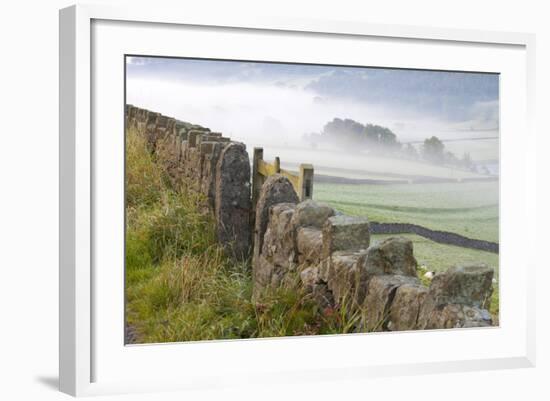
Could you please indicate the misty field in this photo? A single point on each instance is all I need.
(468, 209)
(357, 164)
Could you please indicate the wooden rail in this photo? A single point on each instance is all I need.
(301, 180)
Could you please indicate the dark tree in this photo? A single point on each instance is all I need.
(351, 133)
(346, 131)
(433, 150)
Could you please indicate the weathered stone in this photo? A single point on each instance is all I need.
(391, 256)
(278, 246)
(324, 269)
(345, 233)
(456, 316)
(162, 121)
(233, 200)
(208, 173)
(313, 284)
(182, 133)
(380, 295)
(464, 285)
(276, 189)
(193, 168)
(309, 243)
(263, 274)
(469, 286)
(406, 306)
(344, 276)
(207, 147)
(311, 214)
(192, 138)
(310, 276)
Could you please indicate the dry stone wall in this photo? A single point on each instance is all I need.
(210, 164)
(336, 264)
(329, 254)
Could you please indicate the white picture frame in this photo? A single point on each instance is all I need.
(79, 344)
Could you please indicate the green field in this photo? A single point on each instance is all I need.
(469, 209)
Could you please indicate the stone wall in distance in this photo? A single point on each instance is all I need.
(210, 164)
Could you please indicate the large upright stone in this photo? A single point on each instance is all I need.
(345, 233)
(276, 189)
(279, 239)
(276, 264)
(233, 200)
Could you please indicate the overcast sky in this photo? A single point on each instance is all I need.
(250, 100)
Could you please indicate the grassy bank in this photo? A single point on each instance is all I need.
(179, 284)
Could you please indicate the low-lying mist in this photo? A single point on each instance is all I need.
(266, 112)
(277, 117)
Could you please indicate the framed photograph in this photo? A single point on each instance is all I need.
(274, 198)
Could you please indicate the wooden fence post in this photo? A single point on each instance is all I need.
(257, 179)
(277, 164)
(306, 182)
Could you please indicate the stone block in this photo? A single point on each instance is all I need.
(470, 285)
(309, 243)
(391, 256)
(318, 289)
(345, 233)
(311, 214)
(458, 297)
(344, 277)
(406, 307)
(380, 295)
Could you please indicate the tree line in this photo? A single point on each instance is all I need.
(382, 140)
